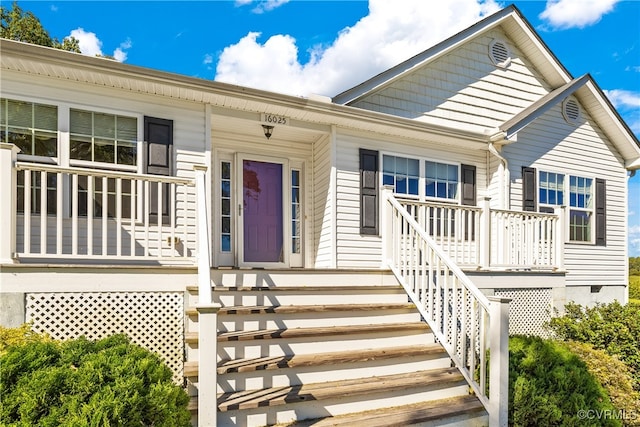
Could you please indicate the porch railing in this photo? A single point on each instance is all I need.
(492, 238)
(472, 328)
(94, 214)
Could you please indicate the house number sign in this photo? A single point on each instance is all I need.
(274, 120)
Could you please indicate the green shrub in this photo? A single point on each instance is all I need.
(613, 328)
(634, 287)
(550, 386)
(19, 336)
(109, 382)
(613, 375)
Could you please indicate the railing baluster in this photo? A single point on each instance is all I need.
(59, 212)
(159, 220)
(27, 212)
(185, 237)
(43, 212)
(74, 214)
(105, 215)
(90, 205)
(119, 216)
(172, 193)
(133, 216)
(147, 194)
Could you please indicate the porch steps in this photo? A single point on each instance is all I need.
(329, 353)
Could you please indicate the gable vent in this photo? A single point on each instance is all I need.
(571, 110)
(499, 53)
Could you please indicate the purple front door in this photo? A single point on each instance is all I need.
(262, 206)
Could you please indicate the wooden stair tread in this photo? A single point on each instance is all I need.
(400, 415)
(249, 399)
(290, 288)
(318, 359)
(289, 309)
(321, 331)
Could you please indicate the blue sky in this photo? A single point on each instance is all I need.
(302, 47)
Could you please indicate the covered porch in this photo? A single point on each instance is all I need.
(53, 214)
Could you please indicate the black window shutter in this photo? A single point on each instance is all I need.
(601, 212)
(368, 192)
(158, 137)
(529, 189)
(468, 185)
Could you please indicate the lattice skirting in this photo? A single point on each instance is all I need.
(153, 320)
(529, 310)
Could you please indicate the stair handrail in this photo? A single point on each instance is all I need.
(469, 325)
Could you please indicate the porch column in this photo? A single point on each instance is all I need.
(385, 225)
(560, 233)
(485, 234)
(8, 202)
(499, 361)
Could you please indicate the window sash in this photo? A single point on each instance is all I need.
(553, 189)
(31, 126)
(103, 138)
(423, 179)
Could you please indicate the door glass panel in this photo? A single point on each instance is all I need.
(263, 213)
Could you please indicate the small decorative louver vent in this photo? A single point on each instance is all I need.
(571, 110)
(499, 53)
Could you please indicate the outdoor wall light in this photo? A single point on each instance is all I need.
(268, 130)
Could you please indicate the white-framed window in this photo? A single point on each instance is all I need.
(550, 190)
(226, 230)
(442, 180)
(581, 202)
(553, 188)
(421, 178)
(402, 173)
(32, 127)
(103, 138)
(296, 211)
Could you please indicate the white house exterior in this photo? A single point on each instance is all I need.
(512, 173)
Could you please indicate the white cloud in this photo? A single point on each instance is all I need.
(563, 14)
(623, 98)
(89, 42)
(628, 104)
(91, 45)
(391, 33)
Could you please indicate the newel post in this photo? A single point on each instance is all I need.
(8, 201)
(207, 313)
(499, 361)
(485, 234)
(386, 225)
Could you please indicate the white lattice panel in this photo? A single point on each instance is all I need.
(153, 320)
(529, 310)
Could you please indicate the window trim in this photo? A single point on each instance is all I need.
(567, 203)
(55, 160)
(422, 178)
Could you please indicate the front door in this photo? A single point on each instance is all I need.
(261, 212)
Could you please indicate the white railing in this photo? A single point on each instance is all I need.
(526, 239)
(97, 214)
(492, 238)
(456, 229)
(472, 329)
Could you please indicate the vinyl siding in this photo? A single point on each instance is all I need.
(463, 89)
(323, 202)
(551, 144)
(358, 251)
